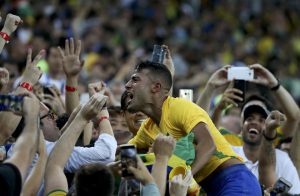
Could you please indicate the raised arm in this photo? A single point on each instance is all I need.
(34, 180)
(295, 151)
(54, 176)
(163, 147)
(26, 144)
(217, 80)
(169, 63)
(72, 67)
(286, 101)
(204, 148)
(30, 77)
(267, 157)
(10, 25)
(229, 97)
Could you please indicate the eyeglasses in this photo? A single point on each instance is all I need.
(50, 115)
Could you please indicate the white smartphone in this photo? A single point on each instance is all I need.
(186, 94)
(240, 73)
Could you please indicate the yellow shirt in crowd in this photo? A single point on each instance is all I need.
(179, 117)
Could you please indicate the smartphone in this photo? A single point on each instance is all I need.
(158, 54)
(128, 158)
(186, 94)
(240, 85)
(240, 73)
(11, 103)
(282, 186)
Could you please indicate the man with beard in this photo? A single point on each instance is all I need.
(254, 115)
(216, 167)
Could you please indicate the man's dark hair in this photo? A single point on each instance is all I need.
(157, 70)
(62, 120)
(94, 179)
(114, 110)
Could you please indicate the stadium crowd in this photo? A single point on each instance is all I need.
(86, 111)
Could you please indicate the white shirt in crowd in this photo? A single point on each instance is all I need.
(103, 151)
(284, 167)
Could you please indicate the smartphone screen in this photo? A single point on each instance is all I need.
(128, 158)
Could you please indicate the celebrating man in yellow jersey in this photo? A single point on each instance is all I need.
(216, 167)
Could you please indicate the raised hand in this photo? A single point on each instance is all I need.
(230, 96)
(4, 78)
(263, 76)
(219, 78)
(95, 87)
(54, 100)
(168, 60)
(274, 120)
(163, 146)
(179, 186)
(31, 105)
(71, 58)
(11, 23)
(93, 107)
(141, 173)
(33, 73)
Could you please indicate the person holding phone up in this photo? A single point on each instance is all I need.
(251, 128)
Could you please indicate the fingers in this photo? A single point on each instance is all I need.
(38, 57)
(29, 56)
(67, 49)
(72, 46)
(188, 178)
(62, 54)
(78, 48)
(168, 53)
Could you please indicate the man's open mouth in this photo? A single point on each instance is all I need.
(253, 131)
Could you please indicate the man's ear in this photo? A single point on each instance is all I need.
(156, 87)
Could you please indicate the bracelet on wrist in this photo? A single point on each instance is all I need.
(26, 85)
(102, 118)
(275, 88)
(5, 36)
(270, 138)
(70, 88)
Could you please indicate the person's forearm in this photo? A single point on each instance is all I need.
(267, 164)
(205, 97)
(33, 182)
(203, 153)
(290, 109)
(216, 116)
(25, 146)
(87, 133)
(2, 41)
(295, 151)
(159, 173)
(72, 97)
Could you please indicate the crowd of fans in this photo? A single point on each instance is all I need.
(89, 90)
